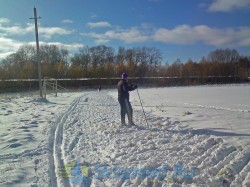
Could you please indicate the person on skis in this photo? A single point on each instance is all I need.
(123, 98)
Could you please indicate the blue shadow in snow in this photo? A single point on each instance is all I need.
(215, 132)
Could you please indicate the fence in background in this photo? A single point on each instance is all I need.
(17, 85)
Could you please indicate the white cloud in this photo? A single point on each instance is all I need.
(4, 20)
(92, 16)
(99, 38)
(101, 41)
(3, 55)
(8, 46)
(68, 46)
(67, 21)
(16, 29)
(228, 5)
(180, 35)
(126, 35)
(98, 24)
(48, 32)
(186, 34)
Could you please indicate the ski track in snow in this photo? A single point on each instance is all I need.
(88, 132)
(58, 153)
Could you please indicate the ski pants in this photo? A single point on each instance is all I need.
(126, 108)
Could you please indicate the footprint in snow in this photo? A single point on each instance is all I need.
(187, 113)
(34, 122)
(23, 127)
(15, 145)
(12, 140)
(24, 120)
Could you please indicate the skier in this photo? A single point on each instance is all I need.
(123, 98)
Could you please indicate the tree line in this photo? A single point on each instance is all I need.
(102, 61)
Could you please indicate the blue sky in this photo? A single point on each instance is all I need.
(179, 28)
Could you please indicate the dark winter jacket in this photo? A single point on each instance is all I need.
(124, 88)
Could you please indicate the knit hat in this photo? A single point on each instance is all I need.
(124, 75)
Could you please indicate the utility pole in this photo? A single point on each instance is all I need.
(37, 53)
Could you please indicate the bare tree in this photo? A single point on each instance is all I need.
(224, 56)
(50, 54)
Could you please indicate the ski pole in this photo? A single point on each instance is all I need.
(142, 107)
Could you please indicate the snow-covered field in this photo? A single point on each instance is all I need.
(197, 136)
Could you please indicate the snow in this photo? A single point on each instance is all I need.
(221, 110)
(197, 136)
